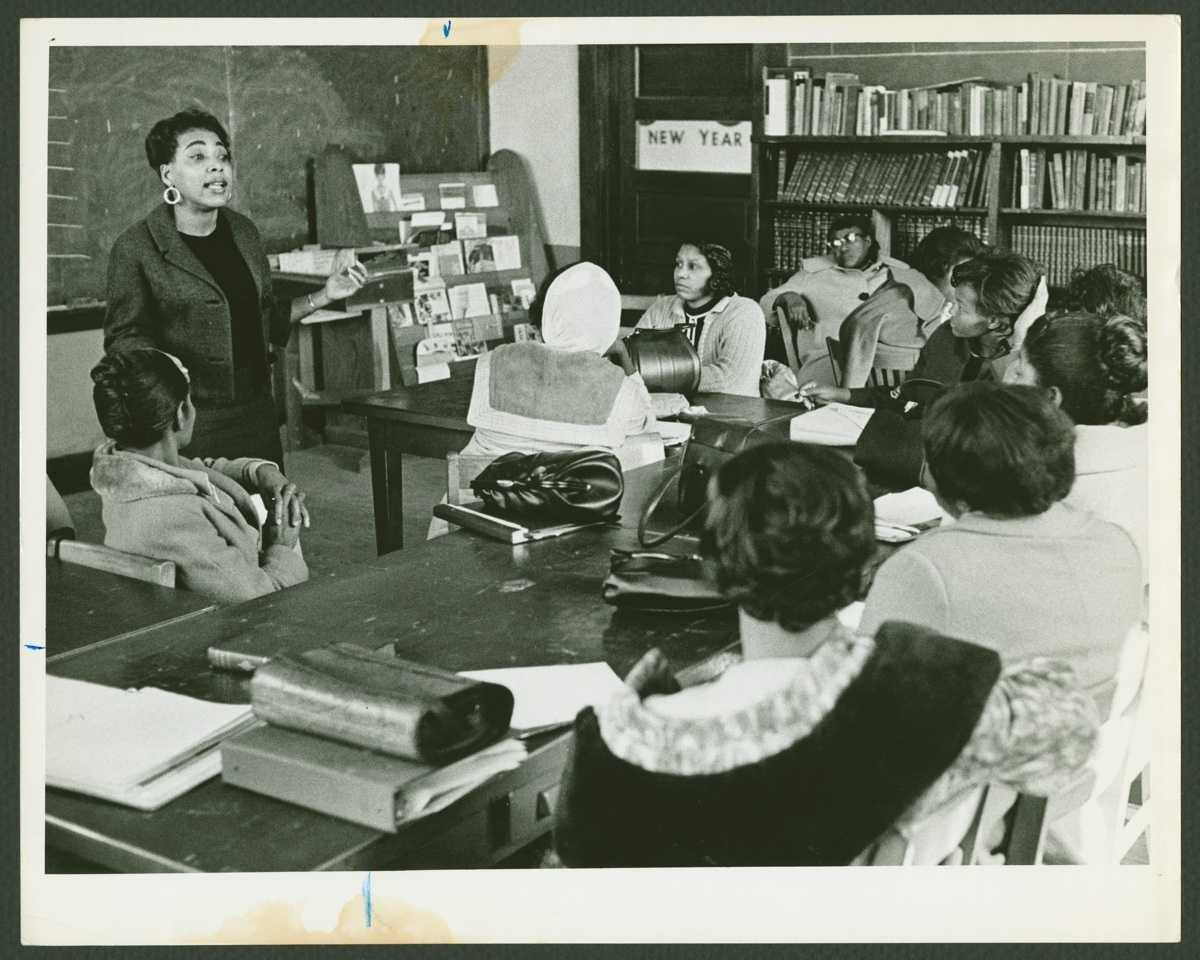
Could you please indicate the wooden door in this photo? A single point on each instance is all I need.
(633, 220)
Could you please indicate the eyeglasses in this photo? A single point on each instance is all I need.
(847, 239)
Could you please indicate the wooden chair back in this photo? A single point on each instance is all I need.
(789, 341)
(99, 557)
(837, 359)
(460, 471)
(949, 834)
(1090, 814)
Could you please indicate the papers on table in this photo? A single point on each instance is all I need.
(835, 425)
(668, 404)
(551, 696)
(673, 433)
(140, 748)
(899, 517)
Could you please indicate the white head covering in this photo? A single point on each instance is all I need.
(582, 311)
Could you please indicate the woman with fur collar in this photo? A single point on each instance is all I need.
(198, 514)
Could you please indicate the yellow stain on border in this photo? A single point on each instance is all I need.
(392, 921)
(501, 37)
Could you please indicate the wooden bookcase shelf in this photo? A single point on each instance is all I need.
(1058, 239)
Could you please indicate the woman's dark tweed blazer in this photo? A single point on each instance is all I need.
(160, 295)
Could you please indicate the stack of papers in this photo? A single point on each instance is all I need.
(548, 697)
(901, 516)
(141, 748)
(834, 425)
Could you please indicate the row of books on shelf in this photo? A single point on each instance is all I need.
(1078, 180)
(799, 103)
(910, 230)
(936, 178)
(1063, 250)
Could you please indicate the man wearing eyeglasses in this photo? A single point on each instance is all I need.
(826, 289)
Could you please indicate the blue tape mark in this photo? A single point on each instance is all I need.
(35, 647)
(366, 895)
(446, 28)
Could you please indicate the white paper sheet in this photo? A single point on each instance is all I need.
(912, 507)
(548, 695)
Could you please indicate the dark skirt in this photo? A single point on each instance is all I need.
(248, 427)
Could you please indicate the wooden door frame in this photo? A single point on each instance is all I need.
(599, 238)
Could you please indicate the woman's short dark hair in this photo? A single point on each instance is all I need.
(720, 262)
(1106, 291)
(136, 393)
(1004, 282)
(943, 247)
(860, 222)
(1008, 451)
(163, 138)
(1097, 364)
(790, 529)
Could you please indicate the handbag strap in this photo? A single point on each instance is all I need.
(652, 505)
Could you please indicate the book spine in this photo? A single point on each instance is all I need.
(339, 794)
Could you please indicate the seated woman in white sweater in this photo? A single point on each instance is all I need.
(1020, 570)
(728, 331)
(198, 514)
(1093, 367)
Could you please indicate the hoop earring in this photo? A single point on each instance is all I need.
(171, 196)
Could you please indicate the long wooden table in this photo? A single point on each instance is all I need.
(86, 606)
(430, 420)
(458, 602)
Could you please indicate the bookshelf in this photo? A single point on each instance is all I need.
(1064, 200)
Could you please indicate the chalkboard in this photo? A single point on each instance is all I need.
(423, 107)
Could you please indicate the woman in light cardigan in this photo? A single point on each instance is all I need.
(1093, 367)
(198, 514)
(561, 394)
(728, 331)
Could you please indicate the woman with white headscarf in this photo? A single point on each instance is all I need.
(533, 397)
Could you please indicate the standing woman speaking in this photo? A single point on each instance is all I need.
(191, 278)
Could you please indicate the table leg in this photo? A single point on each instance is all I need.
(387, 490)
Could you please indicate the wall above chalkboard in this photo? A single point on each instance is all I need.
(423, 107)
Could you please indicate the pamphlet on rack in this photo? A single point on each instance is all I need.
(469, 300)
(449, 259)
(506, 252)
(480, 255)
(470, 225)
(484, 195)
(524, 292)
(453, 195)
(431, 305)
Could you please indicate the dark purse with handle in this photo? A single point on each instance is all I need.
(659, 582)
(571, 486)
(713, 441)
(889, 450)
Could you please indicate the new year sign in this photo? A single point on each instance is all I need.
(693, 146)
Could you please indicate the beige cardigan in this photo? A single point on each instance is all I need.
(200, 517)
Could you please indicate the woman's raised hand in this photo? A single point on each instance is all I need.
(347, 276)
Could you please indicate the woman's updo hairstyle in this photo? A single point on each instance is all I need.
(1106, 291)
(136, 393)
(790, 529)
(1097, 364)
(720, 261)
(163, 138)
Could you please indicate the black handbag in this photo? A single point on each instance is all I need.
(660, 582)
(666, 360)
(713, 441)
(889, 450)
(571, 486)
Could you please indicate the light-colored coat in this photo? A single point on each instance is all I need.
(199, 516)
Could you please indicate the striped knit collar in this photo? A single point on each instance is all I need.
(716, 742)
